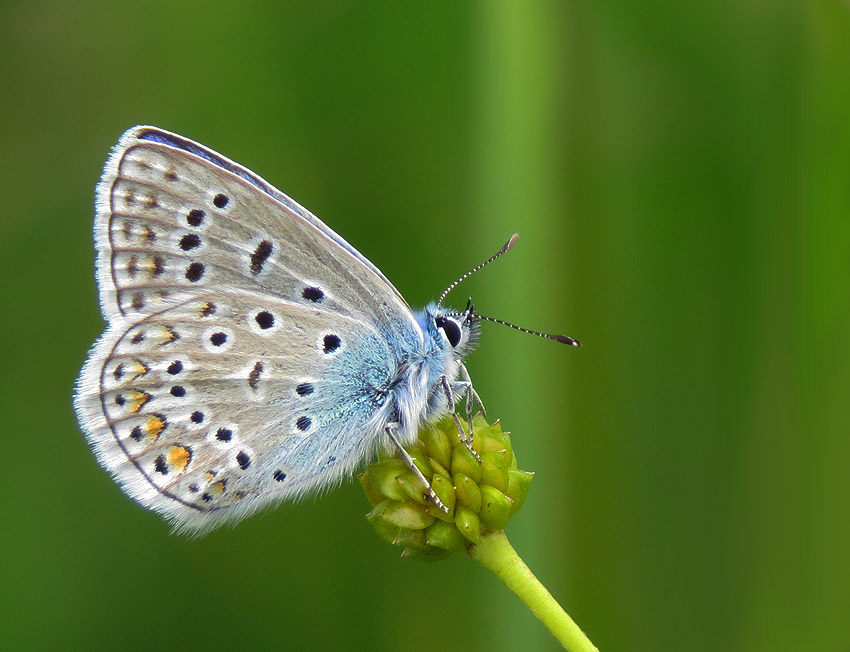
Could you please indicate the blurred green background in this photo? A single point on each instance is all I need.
(680, 176)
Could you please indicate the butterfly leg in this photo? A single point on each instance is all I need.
(466, 439)
(463, 387)
(466, 387)
(429, 491)
(472, 396)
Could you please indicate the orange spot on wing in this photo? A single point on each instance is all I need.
(139, 369)
(163, 335)
(154, 426)
(178, 457)
(137, 400)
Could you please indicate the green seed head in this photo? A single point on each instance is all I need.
(480, 496)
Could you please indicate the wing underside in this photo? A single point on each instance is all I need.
(250, 349)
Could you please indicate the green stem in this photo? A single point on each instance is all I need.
(496, 554)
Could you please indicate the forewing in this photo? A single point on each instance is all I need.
(175, 218)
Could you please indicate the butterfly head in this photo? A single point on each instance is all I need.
(454, 331)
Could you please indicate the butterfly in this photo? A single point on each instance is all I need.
(251, 354)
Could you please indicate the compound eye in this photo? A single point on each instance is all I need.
(450, 328)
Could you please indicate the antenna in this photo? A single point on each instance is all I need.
(558, 338)
(470, 309)
(508, 246)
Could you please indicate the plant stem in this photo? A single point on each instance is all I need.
(496, 554)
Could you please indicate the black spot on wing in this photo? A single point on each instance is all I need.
(331, 343)
(313, 294)
(190, 241)
(195, 271)
(260, 256)
(254, 375)
(304, 389)
(195, 217)
(264, 319)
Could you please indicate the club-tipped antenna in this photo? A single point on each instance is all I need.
(558, 338)
(508, 245)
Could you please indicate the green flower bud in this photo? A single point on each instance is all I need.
(370, 486)
(468, 523)
(439, 469)
(438, 445)
(495, 508)
(410, 538)
(447, 494)
(491, 439)
(467, 491)
(518, 483)
(407, 515)
(386, 530)
(420, 459)
(480, 496)
(464, 462)
(494, 469)
(385, 475)
(446, 536)
(413, 488)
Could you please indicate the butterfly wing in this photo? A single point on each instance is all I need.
(153, 134)
(229, 402)
(249, 350)
(174, 217)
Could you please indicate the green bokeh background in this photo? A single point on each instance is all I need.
(680, 177)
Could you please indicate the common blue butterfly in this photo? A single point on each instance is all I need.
(251, 354)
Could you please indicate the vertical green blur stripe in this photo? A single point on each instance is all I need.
(825, 357)
(515, 191)
(794, 514)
